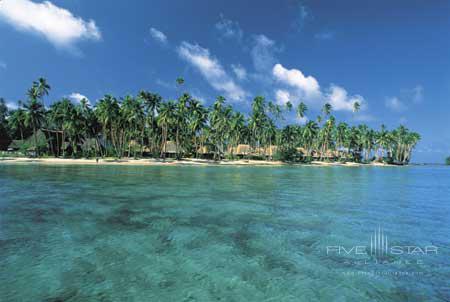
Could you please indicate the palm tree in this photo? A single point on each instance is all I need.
(341, 131)
(132, 114)
(383, 140)
(116, 124)
(356, 107)
(237, 125)
(42, 86)
(198, 116)
(17, 121)
(301, 110)
(326, 136)
(289, 106)
(35, 113)
(107, 112)
(309, 134)
(326, 110)
(152, 104)
(180, 81)
(166, 119)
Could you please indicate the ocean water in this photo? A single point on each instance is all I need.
(125, 233)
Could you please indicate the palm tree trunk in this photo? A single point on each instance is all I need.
(35, 140)
(62, 144)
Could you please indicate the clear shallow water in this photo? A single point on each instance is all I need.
(108, 233)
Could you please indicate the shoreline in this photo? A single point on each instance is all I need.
(182, 162)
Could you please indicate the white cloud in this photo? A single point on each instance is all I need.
(306, 85)
(58, 25)
(211, 70)
(302, 120)
(395, 104)
(229, 29)
(158, 35)
(307, 89)
(341, 101)
(263, 53)
(12, 106)
(239, 71)
(77, 97)
(282, 97)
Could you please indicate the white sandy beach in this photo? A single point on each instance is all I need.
(167, 162)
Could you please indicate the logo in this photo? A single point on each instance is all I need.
(380, 247)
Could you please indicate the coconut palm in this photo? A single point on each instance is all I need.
(166, 118)
(198, 116)
(35, 114)
(116, 125)
(326, 110)
(356, 107)
(107, 112)
(17, 121)
(301, 110)
(288, 106)
(309, 135)
(151, 103)
(341, 132)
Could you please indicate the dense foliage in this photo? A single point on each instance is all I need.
(447, 161)
(144, 124)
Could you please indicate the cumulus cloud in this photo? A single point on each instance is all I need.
(395, 104)
(229, 29)
(306, 85)
(211, 69)
(239, 71)
(282, 96)
(158, 35)
(57, 25)
(307, 89)
(340, 100)
(77, 97)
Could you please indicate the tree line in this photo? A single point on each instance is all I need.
(142, 125)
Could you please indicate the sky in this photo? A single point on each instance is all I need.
(393, 57)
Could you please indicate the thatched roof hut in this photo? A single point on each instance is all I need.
(240, 150)
(204, 150)
(302, 150)
(171, 148)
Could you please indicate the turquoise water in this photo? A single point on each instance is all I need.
(124, 233)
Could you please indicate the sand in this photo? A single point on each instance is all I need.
(169, 162)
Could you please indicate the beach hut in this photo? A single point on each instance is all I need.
(240, 150)
(205, 152)
(170, 149)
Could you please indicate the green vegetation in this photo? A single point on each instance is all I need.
(146, 125)
(447, 161)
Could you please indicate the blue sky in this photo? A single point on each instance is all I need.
(392, 56)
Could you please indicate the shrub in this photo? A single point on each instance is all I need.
(288, 155)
